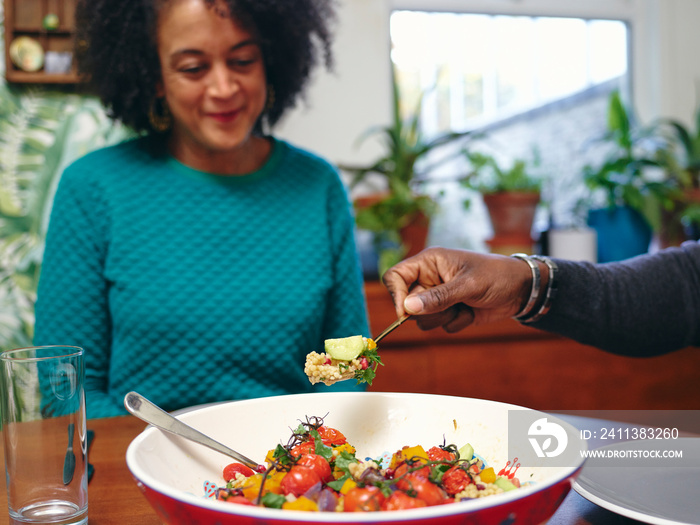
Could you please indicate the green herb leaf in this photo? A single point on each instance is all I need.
(282, 455)
(365, 376)
(273, 501)
(343, 461)
(338, 483)
(369, 373)
(319, 448)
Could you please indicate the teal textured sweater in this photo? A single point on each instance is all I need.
(190, 287)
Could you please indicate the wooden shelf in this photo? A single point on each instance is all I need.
(517, 364)
(25, 18)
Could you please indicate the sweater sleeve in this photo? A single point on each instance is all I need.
(72, 299)
(645, 306)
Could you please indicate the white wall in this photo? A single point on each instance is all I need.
(677, 64)
(341, 106)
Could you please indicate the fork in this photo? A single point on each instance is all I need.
(391, 327)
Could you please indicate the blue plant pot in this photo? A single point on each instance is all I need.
(622, 233)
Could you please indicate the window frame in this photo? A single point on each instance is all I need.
(646, 22)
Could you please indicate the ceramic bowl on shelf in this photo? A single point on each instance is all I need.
(172, 472)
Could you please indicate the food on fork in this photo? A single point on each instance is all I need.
(345, 358)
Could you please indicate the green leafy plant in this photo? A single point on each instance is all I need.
(691, 216)
(622, 177)
(681, 162)
(487, 176)
(32, 131)
(40, 132)
(403, 167)
(682, 155)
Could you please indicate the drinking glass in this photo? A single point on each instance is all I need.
(44, 431)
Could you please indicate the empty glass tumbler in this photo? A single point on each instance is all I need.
(44, 431)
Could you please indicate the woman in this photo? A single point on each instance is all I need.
(202, 261)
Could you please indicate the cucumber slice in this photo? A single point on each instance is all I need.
(345, 348)
(466, 452)
(504, 483)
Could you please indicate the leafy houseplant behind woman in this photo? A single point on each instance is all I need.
(399, 215)
(681, 162)
(624, 227)
(511, 196)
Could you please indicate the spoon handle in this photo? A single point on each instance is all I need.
(391, 327)
(142, 408)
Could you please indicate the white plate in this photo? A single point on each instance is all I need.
(661, 496)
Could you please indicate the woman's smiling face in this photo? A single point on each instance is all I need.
(213, 79)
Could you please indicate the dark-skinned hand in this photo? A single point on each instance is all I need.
(457, 288)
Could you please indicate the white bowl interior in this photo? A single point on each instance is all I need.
(374, 423)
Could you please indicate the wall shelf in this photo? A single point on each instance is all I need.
(24, 18)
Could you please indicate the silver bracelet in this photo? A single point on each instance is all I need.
(534, 291)
(551, 290)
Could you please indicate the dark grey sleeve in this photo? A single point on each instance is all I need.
(644, 306)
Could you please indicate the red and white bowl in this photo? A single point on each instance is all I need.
(172, 472)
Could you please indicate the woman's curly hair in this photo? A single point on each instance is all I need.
(116, 50)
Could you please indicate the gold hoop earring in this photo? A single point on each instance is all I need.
(270, 98)
(159, 115)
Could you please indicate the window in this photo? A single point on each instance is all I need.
(531, 83)
(485, 68)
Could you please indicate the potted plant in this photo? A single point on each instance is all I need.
(511, 196)
(625, 224)
(681, 162)
(399, 215)
(691, 220)
(38, 137)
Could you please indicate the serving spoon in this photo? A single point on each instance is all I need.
(149, 412)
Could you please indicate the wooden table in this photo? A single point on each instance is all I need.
(115, 499)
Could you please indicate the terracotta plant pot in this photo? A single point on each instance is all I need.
(512, 215)
(414, 235)
(672, 231)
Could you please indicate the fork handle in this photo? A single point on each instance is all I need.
(391, 327)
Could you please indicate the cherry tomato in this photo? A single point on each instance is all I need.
(231, 470)
(455, 480)
(298, 480)
(331, 436)
(423, 488)
(307, 447)
(241, 500)
(400, 501)
(439, 454)
(415, 468)
(365, 499)
(318, 464)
